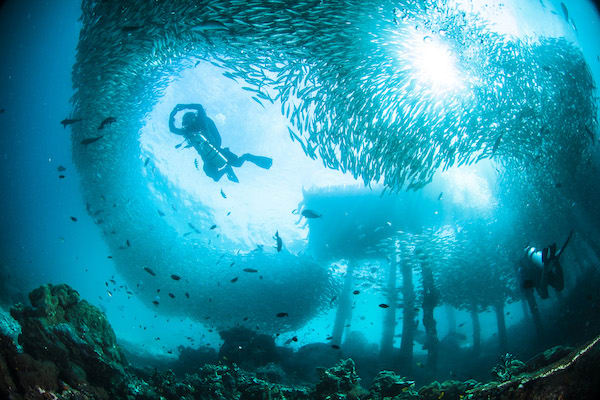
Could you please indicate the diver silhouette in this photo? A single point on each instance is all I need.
(541, 268)
(201, 133)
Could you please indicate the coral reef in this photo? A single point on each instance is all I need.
(508, 367)
(68, 351)
(247, 348)
(450, 390)
(8, 325)
(339, 382)
(576, 376)
(387, 384)
(71, 333)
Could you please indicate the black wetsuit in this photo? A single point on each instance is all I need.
(205, 138)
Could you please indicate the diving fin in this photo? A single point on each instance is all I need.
(565, 245)
(260, 161)
(231, 176)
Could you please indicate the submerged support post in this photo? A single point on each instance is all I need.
(430, 301)
(344, 310)
(476, 330)
(408, 321)
(499, 308)
(389, 320)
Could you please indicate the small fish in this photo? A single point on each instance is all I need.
(73, 219)
(565, 11)
(162, 214)
(279, 242)
(496, 144)
(441, 195)
(332, 300)
(107, 121)
(223, 194)
(2, 110)
(147, 161)
(171, 295)
(61, 177)
(420, 364)
(310, 214)
(213, 227)
(231, 265)
(335, 346)
(383, 305)
(234, 280)
(282, 314)
(179, 145)
(175, 277)
(61, 168)
(109, 293)
(196, 163)
(356, 292)
(292, 339)
(87, 141)
(187, 295)
(155, 302)
(148, 270)
(128, 243)
(130, 28)
(461, 324)
(68, 121)
(193, 227)
(250, 270)
(209, 26)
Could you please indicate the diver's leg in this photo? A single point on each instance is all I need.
(556, 278)
(232, 158)
(542, 285)
(260, 161)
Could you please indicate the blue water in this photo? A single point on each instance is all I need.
(40, 243)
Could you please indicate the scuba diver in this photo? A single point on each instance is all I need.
(540, 268)
(201, 132)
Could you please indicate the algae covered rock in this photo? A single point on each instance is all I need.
(389, 385)
(76, 336)
(449, 390)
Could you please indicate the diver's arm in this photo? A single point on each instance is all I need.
(194, 106)
(172, 127)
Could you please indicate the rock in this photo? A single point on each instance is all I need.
(573, 377)
(21, 373)
(271, 373)
(388, 384)
(9, 326)
(247, 348)
(548, 357)
(340, 381)
(70, 332)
